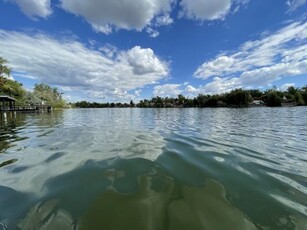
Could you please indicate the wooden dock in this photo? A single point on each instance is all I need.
(8, 105)
(33, 108)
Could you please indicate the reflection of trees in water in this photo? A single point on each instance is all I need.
(9, 126)
(13, 124)
(131, 194)
(47, 119)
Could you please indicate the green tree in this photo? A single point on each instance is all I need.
(295, 94)
(273, 99)
(181, 99)
(4, 69)
(31, 99)
(7, 86)
(238, 97)
(11, 88)
(50, 95)
(304, 94)
(255, 93)
(131, 104)
(212, 101)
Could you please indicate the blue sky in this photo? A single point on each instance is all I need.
(122, 50)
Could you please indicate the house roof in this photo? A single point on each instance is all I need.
(6, 98)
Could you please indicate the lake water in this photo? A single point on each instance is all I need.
(154, 169)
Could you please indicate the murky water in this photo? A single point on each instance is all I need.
(154, 169)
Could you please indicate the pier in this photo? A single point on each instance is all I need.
(8, 104)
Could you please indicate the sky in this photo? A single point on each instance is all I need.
(122, 50)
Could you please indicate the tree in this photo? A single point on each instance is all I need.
(201, 100)
(131, 104)
(273, 99)
(181, 99)
(50, 95)
(12, 88)
(7, 86)
(4, 70)
(212, 101)
(295, 94)
(238, 97)
(255, 93)
(304, 94)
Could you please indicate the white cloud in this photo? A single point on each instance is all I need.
(191, 89)
(143, 62)
(219, 66)
(208, 9)
(191, 92)
(259, 62)
(294, 4)
(220, 85)
(164, 20)
(173, 90)
(110, 73)
(34, 8)
(104, 16)
(152, 33)
(285, 87)
(167, 90)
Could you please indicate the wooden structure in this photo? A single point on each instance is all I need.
(7, 104)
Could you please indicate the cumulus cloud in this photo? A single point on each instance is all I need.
(143, 61)
(208, 9)
(173, 90)
(259, 62)
(109, 73)
(34, 8)
(167, 90)
(104, 16)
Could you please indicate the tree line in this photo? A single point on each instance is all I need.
(41, 94)
(235, 98)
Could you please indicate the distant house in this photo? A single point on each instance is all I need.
(287, 102)
(257, 103)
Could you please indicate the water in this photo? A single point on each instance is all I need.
(154, 169)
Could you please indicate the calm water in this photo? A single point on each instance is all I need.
(155, 169)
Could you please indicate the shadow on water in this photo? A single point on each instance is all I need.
(131, 194)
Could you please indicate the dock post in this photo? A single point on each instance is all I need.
(3, 106)
(11, 106)
(5, 117)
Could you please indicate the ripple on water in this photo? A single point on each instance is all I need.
(246, 163)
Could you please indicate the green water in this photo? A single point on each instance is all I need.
(154, 169)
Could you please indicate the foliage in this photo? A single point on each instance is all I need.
(273, 99)
(4, 70)
(295, 95)
(239, 98)
(235, 98)
(11, 88)
(304, 94)
(31, 99)
(7, 86)
(49, 95)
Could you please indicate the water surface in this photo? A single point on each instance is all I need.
(154, 169)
